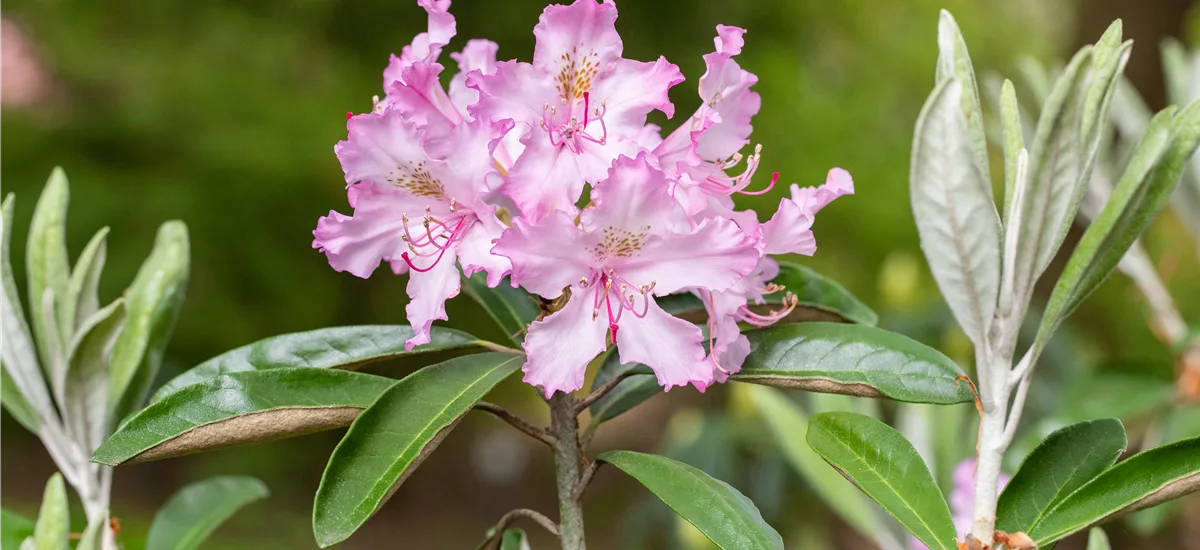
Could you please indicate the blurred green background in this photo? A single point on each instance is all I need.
(224, 114)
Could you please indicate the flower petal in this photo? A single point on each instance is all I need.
(429, 291)
(789, 231)
(379, 146)
(725, 87)
(421, 99)
(477, 55)
(548, 177)
(634, 198)
(547, 256)
(716, 255)
(812, 199)
(632, 90)
(358, 243)
(425, 47)
(514, 91)
(670, 346)
(584, 30)
(559, 347)
(475, 250)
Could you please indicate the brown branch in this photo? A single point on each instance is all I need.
(586, 479)
(538, 433)
(600, 392)
(507, 519)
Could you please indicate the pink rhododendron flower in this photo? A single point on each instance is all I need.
(416, 210)
(632, 244)
(579, 105)
(486, 175)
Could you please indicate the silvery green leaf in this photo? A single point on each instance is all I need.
(1014, 142)
(46, 312)
(54, 521)
(954, 62)
(1098, 540)
(152, 304)
(20, 362)
(46, 261)
(1143, 191)
(1179, 69)
(81, 299)
(86, 392)
(1055, 165)
(956, 217)
(15, 403)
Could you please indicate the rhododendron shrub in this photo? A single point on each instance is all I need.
(612, 250)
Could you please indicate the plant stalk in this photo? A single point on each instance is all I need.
(564, 423)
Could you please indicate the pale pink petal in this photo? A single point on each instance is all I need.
(468, 164)
(583, 33)
(726, 88)
(429, 291)
(379, 148)
(677, 153)
(789, 231)
(477, 55)
(731, 355)
(421, 99)
(729, 40)
(475, 250)
(632, 90)
(515, 91)
(547, 256)
(670, 346)
(633, 200)
(812, 199)
(548, 178)
(358, 243)
(425, 47)
(716, 255)
(559, 347)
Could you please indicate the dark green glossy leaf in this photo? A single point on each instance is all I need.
(723, 514)
(852, 360)
(512, 308)
(242, 407)
(629, 393)
(195, 511)
(152, 303)
(820, 299)
(348, 348)
(1149, 478)
(392, 437)
(1067, 459)
(888, 469)
(14, 529)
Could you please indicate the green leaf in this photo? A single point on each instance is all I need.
(512, 308)
(1047, 197)
(1067, 459)
(788, 424)
(15, 403)
(955, 214)
(46, 262)
(723, 514)
(1124, 396)
(195, 511)
(20, 362)
(888, 469)
(1142, 192)
(1014, 142)
(1097, 540)
(1177, 69)
(152, 304)
(54, 520)
(94, 534)
(514, 539)
(347, 348)
(819, 298)
(629, 393)
(1148, 478)
(852, 360)
(955, 63)
(82, 299)
(14, 529)
(85, 408)
(242, 407)
(395, 434)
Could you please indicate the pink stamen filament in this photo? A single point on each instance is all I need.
(719, 183)
(451, 239)
(572, 133)
(759, 320)
(610, 284)
(712, 328)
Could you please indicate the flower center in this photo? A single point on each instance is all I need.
(417, 180)
(568, 130)
(610, 288)
(619, 243)
(435, 235)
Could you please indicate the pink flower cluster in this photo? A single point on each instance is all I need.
(488, 176)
